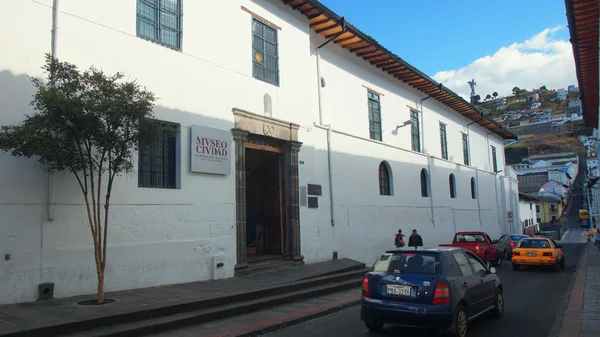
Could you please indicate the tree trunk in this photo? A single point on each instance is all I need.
(100, 286)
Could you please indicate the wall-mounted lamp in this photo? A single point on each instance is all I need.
(403, 125)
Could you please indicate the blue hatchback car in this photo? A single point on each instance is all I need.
(431, 288)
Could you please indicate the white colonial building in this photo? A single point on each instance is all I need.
(320, 161)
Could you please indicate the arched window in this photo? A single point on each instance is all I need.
(452, 184)
(424, 183)
(268, 105)
(473, 188)
(385, 179)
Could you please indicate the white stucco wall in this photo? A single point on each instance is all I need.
(160, 236)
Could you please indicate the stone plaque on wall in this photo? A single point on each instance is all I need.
(211, 150)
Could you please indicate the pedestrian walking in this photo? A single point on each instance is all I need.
(597, 241)
(399, 239)
(415, 239)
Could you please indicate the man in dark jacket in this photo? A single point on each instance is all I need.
(415, 239)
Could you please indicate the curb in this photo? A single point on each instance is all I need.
(562, 309)
(259, 331)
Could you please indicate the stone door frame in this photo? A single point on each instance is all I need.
(246, 123)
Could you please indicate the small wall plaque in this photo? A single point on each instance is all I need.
(315, 190)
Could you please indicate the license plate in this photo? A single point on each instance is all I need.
(397, 290)
(531, 254)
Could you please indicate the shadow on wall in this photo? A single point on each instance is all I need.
(193, 227)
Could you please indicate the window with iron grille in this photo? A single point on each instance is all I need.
(160, 21)
(157, 166)
(265, 56)
(374, 116)
(385, 187)
(465, 141)
(552, 208)
(415, 131)
(443, 141)
(538, 209)
(473, 188)
(494, 160)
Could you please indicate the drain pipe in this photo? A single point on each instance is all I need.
(430, 188)
(327, 127)
(53, 44)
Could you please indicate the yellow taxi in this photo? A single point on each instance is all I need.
(537, 251)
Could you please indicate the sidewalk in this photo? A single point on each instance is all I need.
(54, 316)
(582, 317)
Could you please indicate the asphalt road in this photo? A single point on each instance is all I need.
(532, 298)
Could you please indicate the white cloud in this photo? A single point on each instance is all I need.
(540, 60)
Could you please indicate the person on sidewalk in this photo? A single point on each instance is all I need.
(415, 240)
(399, 239)
(597, 241)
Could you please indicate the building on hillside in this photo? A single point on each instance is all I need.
(573, 88)
(555, 187)
(549, 208)
(319, 165)
(574, 103)
(527, 213)
(545, 174)
(562, 91)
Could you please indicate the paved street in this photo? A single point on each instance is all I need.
(532, 298)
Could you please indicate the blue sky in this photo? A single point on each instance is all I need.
(440, 35)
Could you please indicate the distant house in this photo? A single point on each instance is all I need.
(561, 97)
(573, 88)
(574, 103)
(555, 187)
(527, 213)
(549, 207)
(562, 91)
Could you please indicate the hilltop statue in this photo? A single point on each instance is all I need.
(472, 84)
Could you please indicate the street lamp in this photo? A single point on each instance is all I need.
(398, 126)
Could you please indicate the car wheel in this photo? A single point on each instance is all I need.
(374, 326)
(499, 309)
(461, 322)
(498, 261)
(562, 262)
(556, 266)
(516, 267)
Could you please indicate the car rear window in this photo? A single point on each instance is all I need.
(470, 238)
(408, 263)
(532, 243)
(518, 237)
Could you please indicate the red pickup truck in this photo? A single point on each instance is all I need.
(479, 243)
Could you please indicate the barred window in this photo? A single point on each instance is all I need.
(160, 21)
(443, 141)
(385, 179)
(415, 131)
(265, 58)
(374, 116)
(157, 162)
(473, 189)
(465, 141)
(494, 159)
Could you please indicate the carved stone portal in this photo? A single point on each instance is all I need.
(249, 123)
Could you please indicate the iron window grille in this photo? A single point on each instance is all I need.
(473, 189)
(374, 116)
(465, 141)
(443, 141)
(160, 21)
(415, 131)
(384, 180)
(265, 56)
(157, 166)
(494, 160)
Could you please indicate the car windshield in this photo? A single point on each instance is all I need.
(470, 238)
(518, 237)
(525, 243)
(408, 263)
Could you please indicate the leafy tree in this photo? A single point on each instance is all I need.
(543, 88)
(477, 98)
(516, 90)
(488, 96)
(91, 125)
(495, 94)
